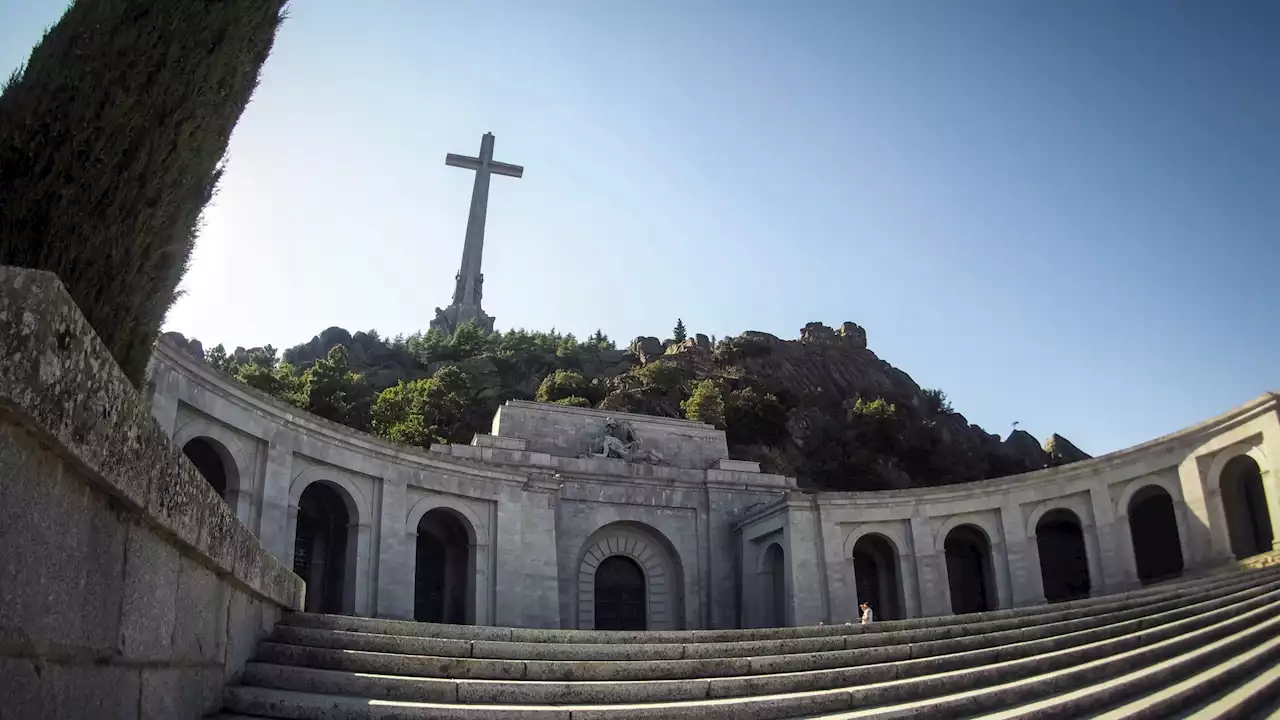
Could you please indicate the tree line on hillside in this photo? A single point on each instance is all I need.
(455, 384)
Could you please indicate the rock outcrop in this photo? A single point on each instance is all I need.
(1061, 451)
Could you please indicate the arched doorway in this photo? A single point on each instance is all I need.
(969, 573)
(205, 456)
(875, 572)
(1064, 562)
(320, 548)
(620, 595)
(660, 568)
(1244, 501)
(774, 586)
(1153, 528)
(442, 587)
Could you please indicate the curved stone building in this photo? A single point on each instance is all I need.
(565, 517)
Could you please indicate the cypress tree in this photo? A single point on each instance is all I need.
(111, 144)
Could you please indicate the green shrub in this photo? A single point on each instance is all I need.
(664, 376)
(754, 417)
(574, 401)
(706, 404)
(562, 384)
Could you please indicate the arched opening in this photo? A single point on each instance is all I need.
(1245, 503)
(320, 548)
(1064, 562)
(1153, 527)
(875, 572)
(442, 586)
(202, 453)
(774, 584)
(969, 573)
(620, 595)
(660, 567)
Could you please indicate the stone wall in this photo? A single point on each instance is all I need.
(128, 588)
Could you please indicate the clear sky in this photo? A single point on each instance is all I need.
(1064, 213)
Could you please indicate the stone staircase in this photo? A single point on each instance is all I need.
(1203, 648)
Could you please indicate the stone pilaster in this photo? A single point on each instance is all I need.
(278, 526)
(395, 556)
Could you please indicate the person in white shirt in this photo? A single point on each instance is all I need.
(866, 613)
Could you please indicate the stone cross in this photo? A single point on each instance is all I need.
(467, 292)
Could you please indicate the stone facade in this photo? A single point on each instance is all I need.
(718, 543)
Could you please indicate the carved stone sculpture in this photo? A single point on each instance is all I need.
(619, 441)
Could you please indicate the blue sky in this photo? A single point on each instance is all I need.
(1063, 213)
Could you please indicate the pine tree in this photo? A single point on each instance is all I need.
(679, 333)
(111, 142)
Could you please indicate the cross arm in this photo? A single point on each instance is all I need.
(462, 161)
(506, 169)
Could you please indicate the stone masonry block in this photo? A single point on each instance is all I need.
(150, 597)
(180, 693)
(249, 620)
(201, 615)
(61, 576)
(40, 689)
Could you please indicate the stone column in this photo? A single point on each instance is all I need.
(841, 583)
(931, 570)
(241, 502)
(1271, 474)
(750, 592)
(1020, 559)
(278, 525)
(165, 410)
(1094, 560)
(1001, 561)
(479, 562)
(805, 587)
(395, 552)
(527, 584)
(1208, 538)
(1117, 571)
(355, 594)
(910, 585)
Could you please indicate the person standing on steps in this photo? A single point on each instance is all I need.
(866, 613)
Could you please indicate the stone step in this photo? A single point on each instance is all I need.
(1164, 687)
(1019, 657)
(1256, 697)
(880, 645)
(1090, 686)
(407, 628)
(908, 644)
(946, 693)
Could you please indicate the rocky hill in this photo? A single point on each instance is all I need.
(824, 408)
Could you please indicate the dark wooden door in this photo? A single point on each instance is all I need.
(620, 601)
(428, 591)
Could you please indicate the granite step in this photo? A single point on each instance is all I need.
(1020, 657)
(663, 659)
(1256, 697)
(1251, 678)
(408, 628)
(1082, 690)
(1207, 639)
(856, 651)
